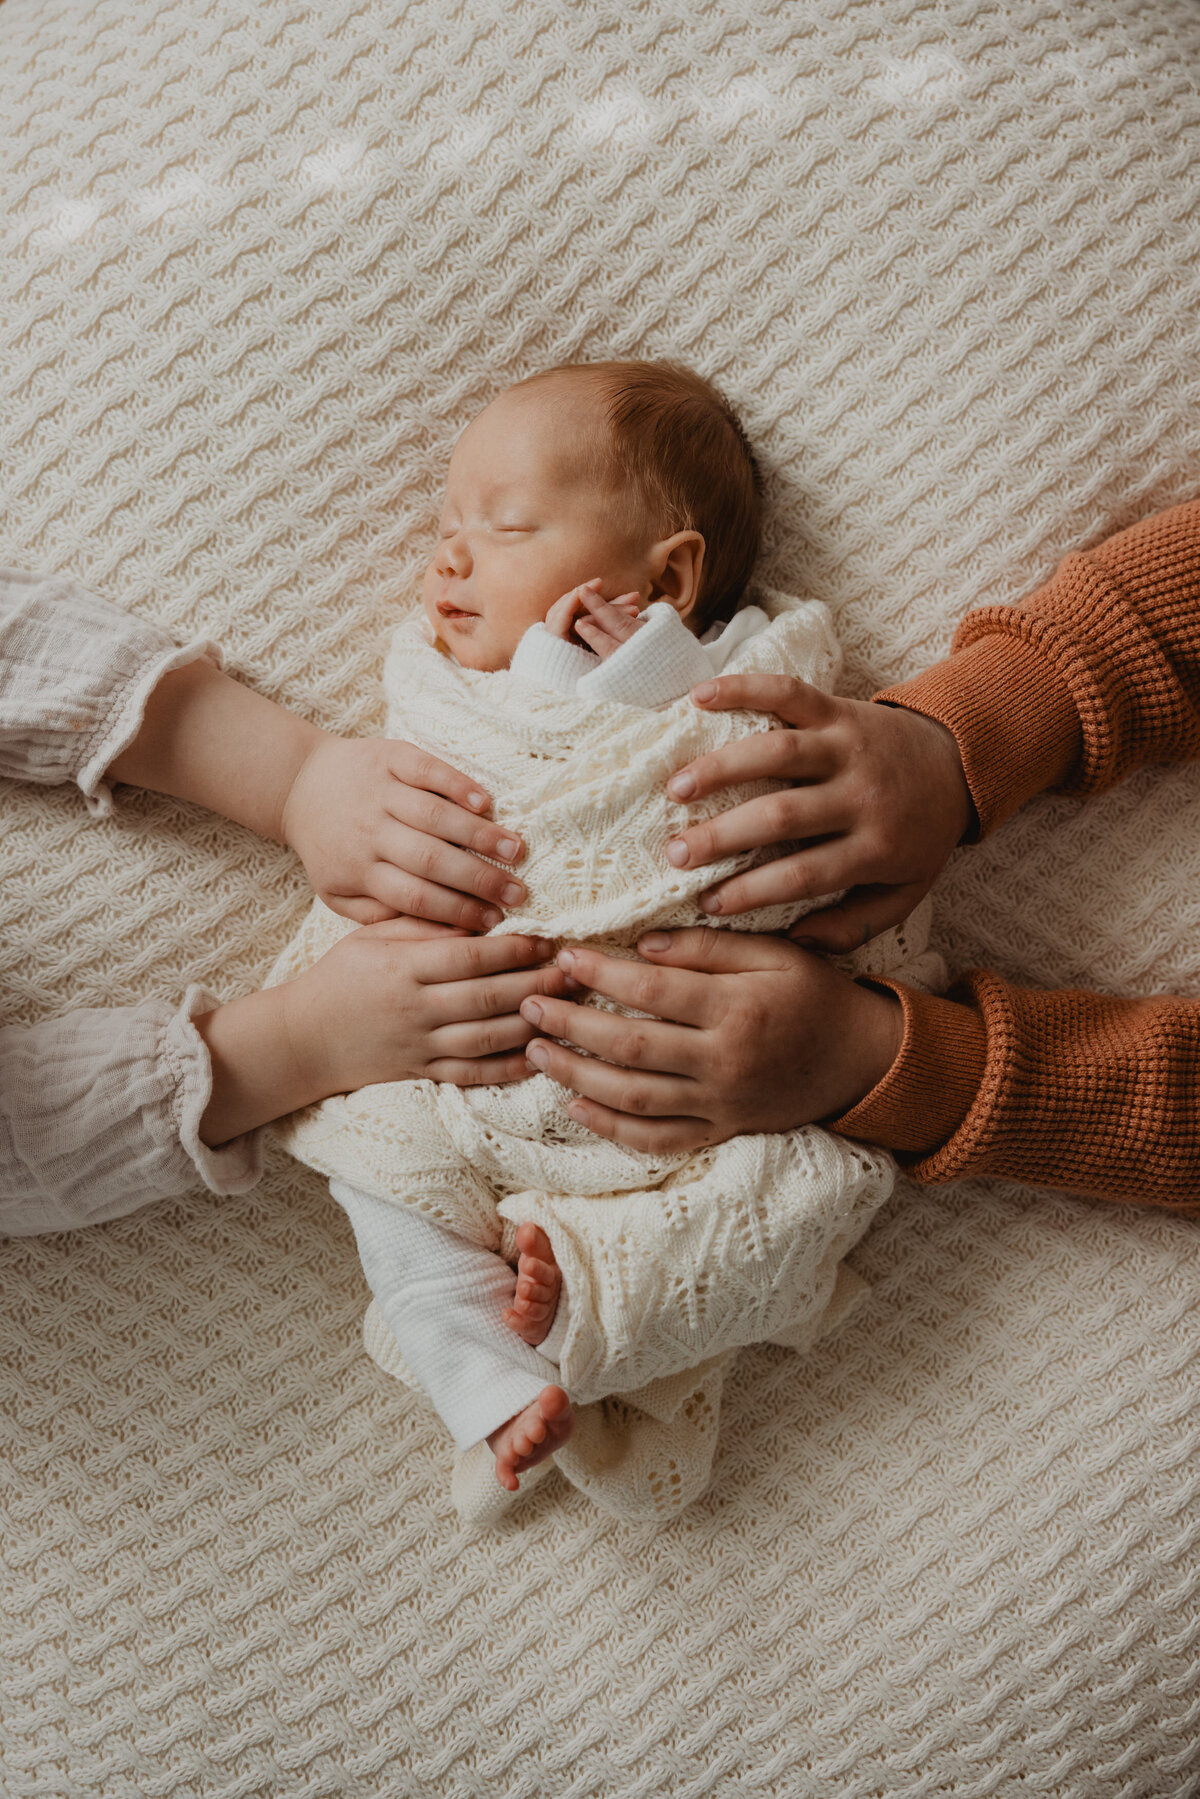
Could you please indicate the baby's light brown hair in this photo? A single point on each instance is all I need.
(679, 445)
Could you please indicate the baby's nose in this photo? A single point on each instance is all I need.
(453, 556)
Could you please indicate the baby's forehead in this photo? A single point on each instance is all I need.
(550, 429)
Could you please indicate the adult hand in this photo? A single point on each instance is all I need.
(747, 1033)
(384, 829)
(399, 1000)
(878, 801)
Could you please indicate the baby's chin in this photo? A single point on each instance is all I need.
(467, 641)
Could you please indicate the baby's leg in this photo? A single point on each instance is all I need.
(444, 1301)
(539, 1284)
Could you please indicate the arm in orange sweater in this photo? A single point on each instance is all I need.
(1097, 674)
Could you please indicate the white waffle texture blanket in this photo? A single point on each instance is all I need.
(671, 1262)
(261, 264)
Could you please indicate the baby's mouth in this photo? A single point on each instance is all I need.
(447, 610)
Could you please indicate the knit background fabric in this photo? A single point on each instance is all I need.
(260, 265)
(671, 1261)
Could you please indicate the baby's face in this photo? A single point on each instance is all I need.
(524, 520)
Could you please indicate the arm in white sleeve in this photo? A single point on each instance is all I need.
(75, 675)
(100, 1113)
(658, 664)
(444, 1301)
(551, 662)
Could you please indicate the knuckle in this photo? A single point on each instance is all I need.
(779, 813)
(629, 1048)
(631, 1098)
(646, 990)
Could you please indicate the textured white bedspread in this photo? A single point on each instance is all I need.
(260, 265)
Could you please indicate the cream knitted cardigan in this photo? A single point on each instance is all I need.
(671, 1262)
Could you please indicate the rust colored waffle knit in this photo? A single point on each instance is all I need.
(1098, 673)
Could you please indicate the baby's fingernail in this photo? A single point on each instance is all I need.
(681, 787)
(705, 692)
(807, 942)
(709, 902)
(677, 853)
(566, 959)
(478, 800)
(655, 942)
(491, 918)
(513, 894)
(507, 849)
(538, 1054)
(531, 1010)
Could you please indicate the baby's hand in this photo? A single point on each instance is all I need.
(606, 624)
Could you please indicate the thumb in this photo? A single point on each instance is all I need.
(861, 915)
(713, 951)
(362, 909)
(401, 927)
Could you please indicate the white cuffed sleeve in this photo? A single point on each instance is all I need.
(75, 675)
(545, 660)
(100, 1114)
(444, 1300)
(658, 664)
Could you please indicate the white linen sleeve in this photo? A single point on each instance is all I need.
(75, 675)
(100, 1114)
(444, 1300)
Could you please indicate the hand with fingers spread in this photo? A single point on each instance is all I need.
(878, 802)
(745, 1033)
(384, 829)
(395, 1001)
(605, 624)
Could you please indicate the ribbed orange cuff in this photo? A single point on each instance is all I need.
(1012, 716)
(930, 1087)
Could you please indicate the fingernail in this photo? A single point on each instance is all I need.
(681, 787)
(478, 800)
(491, 918)
(705, 691)
(566, 959)
(806, 942)
(513, 894)
(507, 849)
(655, 942)
(677, 852)
(531, 1010)
(710, 903)
(538, 1054)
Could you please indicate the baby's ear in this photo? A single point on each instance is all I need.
(676, 565)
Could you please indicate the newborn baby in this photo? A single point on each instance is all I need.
(599, 528)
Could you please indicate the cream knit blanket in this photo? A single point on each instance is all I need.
(263, 265)
(670, 1262)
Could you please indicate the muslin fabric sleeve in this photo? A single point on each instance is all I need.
(100, 1114)
(75, 675)
(1096, 674)
(100, 1110)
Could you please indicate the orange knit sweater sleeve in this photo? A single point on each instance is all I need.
(1098, 673)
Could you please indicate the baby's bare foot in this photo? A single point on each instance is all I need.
(531, 1436)
(539, 1283)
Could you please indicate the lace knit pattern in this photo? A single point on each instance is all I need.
(261, 264)
(670, 1261)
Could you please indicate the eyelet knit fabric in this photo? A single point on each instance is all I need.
(669, 1261)
(261, 264)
